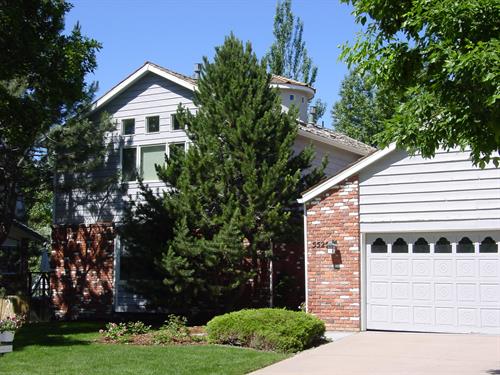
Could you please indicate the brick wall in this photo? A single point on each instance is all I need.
(82, 257)
(333, 294)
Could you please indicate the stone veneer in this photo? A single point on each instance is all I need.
(82, 258)
(334, 294)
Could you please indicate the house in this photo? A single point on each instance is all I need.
(90, 276)
(399, 242)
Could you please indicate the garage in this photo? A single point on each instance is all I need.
(433, 282)
(405, 243)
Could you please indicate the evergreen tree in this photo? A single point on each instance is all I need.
(233, 191)
(288, 54)
(360, 113)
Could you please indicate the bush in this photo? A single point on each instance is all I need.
(123, 332)
(267, 329)
(173, 331)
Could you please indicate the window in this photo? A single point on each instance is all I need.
(129, 169)
(150, 156)
(421, 246)
(128, 126)
(302, 99)
(292, 98)
(465, 246)
(175, 123)
(153, 124)
(379, 246)
(442, 246)
(400, 246)
(488, 245)
(175, 148)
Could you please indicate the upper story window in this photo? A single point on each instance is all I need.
(175, 122)
(175, 148)
(292, 97)
(128, 126)
(150, 157)
(152, 124)
(302, 99)
(129, 164)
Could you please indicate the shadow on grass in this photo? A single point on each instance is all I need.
(56, 334)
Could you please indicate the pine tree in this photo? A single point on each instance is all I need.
(360, 113)
(234, 190)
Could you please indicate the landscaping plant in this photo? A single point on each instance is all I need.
(11, 324)
(267, 329)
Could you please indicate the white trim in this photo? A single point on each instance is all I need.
(363, 286)
(309, 92)
(305, 259)
(331, 182)
(332, 142)
(134, 77)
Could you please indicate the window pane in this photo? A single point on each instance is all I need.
(465, 246)
(129, 171)
(128, 126)
(488, 245)
(149, 157)
(176, 148)
(175, 123)
(379, 246)
(400, 246)
(442, 246)
(421, 246)
(153, 124)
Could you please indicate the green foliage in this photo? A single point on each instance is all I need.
(42, 83)
(441, 61)
(320, 110)
(288, 54)
(124, 332)
(360, 113)
(267, 329)
(175, 331)
(232, 191)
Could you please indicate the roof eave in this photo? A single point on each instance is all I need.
(334, 180)
(334, 142)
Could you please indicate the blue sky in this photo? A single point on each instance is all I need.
(176, 34)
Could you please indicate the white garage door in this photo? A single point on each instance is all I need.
(438, 282)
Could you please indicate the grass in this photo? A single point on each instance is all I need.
(70, 348)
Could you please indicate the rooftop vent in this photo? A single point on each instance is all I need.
(197, 70)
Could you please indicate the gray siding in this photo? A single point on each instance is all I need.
(338, 159)
(150, 96)
(403, 193)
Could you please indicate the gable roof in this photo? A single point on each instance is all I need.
(308, 130)
(350, 170)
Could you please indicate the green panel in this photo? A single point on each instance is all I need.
(149, 157)
(128, 164)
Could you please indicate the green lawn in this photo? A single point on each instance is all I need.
(68, 348)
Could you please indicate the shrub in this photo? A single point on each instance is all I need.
(123, 332)
(267, 329)
(174, 330)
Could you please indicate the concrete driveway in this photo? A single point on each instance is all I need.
(397, 353)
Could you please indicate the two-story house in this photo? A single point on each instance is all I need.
(86, 252)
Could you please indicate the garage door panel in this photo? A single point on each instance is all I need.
(436, 292)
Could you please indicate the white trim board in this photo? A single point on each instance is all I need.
(331, 182)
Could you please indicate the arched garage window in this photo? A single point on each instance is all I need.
(488, 245)
(421, 246)
(442, 246)
(465, 245)
(400, 246)
(379, 246)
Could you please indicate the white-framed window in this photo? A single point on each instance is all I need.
(152, 124)
(176, 125)
(129, 164)
(176, 147)
(142, 160)
(128, 126)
